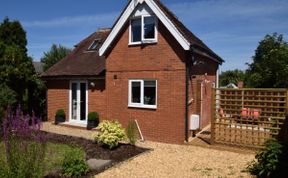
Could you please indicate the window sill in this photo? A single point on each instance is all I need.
(142, 43)
(143, 106)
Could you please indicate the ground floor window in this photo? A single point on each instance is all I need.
(142, 93)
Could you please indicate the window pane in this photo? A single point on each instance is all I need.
(136, 92)
(136, 30)
(83, 101)
(149, 27)
(94, 45)
(74, 101)
(150, 92)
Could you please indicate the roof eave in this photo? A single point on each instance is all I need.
(68, 77)
(206, 53)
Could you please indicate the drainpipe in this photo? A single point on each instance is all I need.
(217, 77)
(186, 99)
(188, 64)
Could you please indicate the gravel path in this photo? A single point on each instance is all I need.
(167, 160)
(49, 127)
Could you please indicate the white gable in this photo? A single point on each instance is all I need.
(142, 9)
(138, 7)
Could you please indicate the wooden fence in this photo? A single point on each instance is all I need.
(247, 117)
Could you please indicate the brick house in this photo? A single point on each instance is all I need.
(148, 67)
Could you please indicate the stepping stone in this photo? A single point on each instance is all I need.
(97, 164)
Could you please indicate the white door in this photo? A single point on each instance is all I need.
(78, 102)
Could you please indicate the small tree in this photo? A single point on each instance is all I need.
(16, 68)
(54, 55)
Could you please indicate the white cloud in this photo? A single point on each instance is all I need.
(73, 21)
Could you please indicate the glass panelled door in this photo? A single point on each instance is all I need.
(78, 101)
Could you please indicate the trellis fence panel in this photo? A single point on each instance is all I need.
(247, 117)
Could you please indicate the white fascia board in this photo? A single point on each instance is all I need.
(130, 8)
(168, 24)
(158, 12)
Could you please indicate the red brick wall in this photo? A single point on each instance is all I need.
(198, 76)
(162, 61)
(57, 98)
(97, 98)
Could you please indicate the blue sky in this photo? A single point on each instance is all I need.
(232, 28)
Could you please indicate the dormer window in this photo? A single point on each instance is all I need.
(143, 29)
(94, 45)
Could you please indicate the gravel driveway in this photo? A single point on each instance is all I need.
(167, 160)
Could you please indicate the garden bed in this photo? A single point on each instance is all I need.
(93, 150)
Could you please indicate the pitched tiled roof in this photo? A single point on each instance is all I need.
(189, 36)
(81, 61)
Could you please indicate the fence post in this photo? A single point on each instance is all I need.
(284, 132)
(286, 110)
(213, 116)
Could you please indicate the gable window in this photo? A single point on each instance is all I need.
(143, 94)
(93, 45)
(149, 27)
(136, 30)
(143, 30)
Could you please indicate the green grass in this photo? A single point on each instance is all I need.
(54, 155)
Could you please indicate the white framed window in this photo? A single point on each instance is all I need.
(143, 29)
(143, 93)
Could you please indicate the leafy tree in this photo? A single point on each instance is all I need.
(17, 73)
(231, 76)
(269, 68)
(55, 54)
(13, 34)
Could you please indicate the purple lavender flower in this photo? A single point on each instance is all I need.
(22, 136)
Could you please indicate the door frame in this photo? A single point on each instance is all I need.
(78, 95)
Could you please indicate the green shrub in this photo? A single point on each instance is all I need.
(268, 160)
(74, 164)
(93, 116)
(111, 132)
(131, 132)
(60, 113)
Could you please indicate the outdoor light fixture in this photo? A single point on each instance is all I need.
(92, 84)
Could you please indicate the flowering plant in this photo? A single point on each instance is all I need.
(25, 146)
